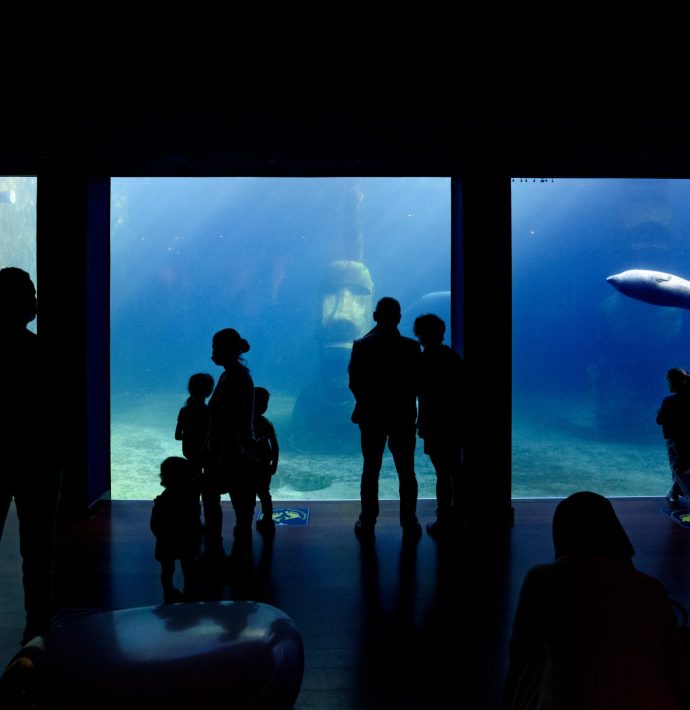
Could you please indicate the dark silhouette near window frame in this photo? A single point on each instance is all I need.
(32, 439)
(674, 418)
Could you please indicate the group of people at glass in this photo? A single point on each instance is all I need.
(404, 389)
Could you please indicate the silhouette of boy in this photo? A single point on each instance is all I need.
(441, 422)
(383, 377)
(31, 440)
(192, 419)
(176, 525)
(268, 452)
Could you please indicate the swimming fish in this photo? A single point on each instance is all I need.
(655, 287)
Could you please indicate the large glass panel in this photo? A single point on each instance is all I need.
(590, 355)
(18, 225)
(296, 265)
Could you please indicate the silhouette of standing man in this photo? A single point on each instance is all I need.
(30, 438)
(383, 376)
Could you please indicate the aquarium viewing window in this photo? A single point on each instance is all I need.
(589, 356)
(18, 225)
(296, 266)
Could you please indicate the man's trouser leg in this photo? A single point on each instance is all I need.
(373, 442)
(401, 443)
(213, 516)
(36, 511)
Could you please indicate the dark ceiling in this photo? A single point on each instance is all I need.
(123, 105)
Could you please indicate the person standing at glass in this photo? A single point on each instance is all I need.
(32, 441)
(228, 445)
(441, 422)
(383, 377)
(176, 524)
(192, 420)
(674, 417)
(268, 452)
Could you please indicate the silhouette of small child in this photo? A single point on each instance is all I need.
(176, 524)
(267, 447)
(192, 419)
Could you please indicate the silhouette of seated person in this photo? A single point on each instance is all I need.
(383, 377)
(30, 438)
(591, 631)
(441, 422)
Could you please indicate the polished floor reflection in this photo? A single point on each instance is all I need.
(392, 625)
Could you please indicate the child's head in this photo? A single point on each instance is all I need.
(261, 397)
(200, 385)
(176, 471)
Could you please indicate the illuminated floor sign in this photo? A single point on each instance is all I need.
(680, 516)
(290, 516)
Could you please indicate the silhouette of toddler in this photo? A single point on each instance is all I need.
(176, 524)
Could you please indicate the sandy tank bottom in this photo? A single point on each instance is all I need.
(545, 462)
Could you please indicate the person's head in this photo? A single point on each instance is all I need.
(176, 471)
(387, 313)
(585, 523)
(228, 346)
(429, 329)
(17, 298)
(678, 380)
(261, 397)
(200, 385)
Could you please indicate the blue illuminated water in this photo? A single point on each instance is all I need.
(192, 256)
(268, 257)
(589, 363)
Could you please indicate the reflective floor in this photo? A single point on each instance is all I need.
(392, 625)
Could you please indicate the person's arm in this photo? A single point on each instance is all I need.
(354, 371)
(275, 451)
(663, 415)
(179, 428)
(675, 654)
(154, 523)
(356, 381)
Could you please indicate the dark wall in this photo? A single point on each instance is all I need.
(72, 259)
